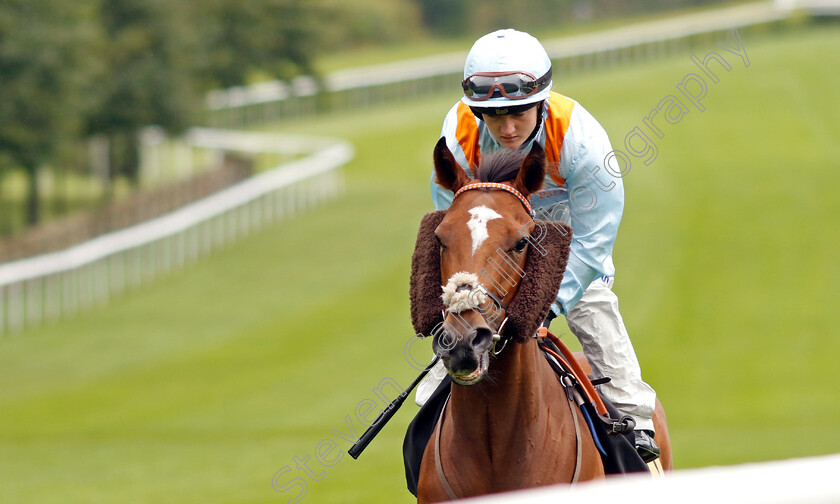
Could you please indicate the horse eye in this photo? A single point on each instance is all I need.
(520, 245)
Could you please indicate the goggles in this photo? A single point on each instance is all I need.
(482, 86)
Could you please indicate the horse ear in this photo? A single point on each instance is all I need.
(447, 171)
(532, 173)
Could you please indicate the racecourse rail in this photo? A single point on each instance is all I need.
(51, 286)
(803, 481)
(355, 88)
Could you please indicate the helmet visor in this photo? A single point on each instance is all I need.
(482, 86)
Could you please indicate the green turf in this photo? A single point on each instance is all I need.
(201, 387)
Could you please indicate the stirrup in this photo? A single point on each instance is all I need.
(646, 446)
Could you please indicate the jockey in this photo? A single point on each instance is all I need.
(508, 104)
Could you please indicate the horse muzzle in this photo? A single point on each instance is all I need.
(464, 344)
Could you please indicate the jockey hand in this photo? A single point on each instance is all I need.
(551, 316)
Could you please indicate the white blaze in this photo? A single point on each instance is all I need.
(481, 215)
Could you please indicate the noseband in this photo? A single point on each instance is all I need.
(497, 337)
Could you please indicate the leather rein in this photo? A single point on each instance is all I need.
(543, 332)
(567, 381)
(572, 375)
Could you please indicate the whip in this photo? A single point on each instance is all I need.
(386, 414)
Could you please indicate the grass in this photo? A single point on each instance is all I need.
(204, 386)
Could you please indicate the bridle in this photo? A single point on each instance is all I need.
(499, 341)
(496, 185)
(497, 334)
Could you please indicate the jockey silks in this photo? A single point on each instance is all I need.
(578, 190)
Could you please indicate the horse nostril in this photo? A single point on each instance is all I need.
(444, 341)
(483, 338)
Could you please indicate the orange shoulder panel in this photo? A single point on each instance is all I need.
(467, 135)
(556, 123)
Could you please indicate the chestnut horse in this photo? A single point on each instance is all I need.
(508, 423)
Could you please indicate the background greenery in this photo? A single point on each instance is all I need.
(73, 71)
(201, 387)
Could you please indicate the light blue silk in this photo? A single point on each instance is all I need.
(591, 200)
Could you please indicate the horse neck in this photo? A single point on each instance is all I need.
(510, 405)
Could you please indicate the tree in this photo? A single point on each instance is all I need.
(162, 55)
(150, 66)
(278, 38)
(45, 69)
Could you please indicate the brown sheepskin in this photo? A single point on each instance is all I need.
(543, 274)
(424, 288)
(537, 290)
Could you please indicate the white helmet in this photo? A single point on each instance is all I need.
(506, 60)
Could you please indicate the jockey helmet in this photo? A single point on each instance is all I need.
(506, 69)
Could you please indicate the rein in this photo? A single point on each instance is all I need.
(571, 394)
(497, 337)
(576, 370)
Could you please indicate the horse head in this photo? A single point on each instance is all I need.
(485, 264)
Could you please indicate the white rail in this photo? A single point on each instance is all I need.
(646, 37)
(803, 481)
(50, 286)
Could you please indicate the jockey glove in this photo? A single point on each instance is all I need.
(551, 316)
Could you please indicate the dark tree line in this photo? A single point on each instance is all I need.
(72, 70)
(476, 17)
(45, 71)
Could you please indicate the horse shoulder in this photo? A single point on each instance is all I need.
(429, 488)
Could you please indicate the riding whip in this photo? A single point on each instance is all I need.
(386, 414)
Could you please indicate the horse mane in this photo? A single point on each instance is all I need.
(501, 166)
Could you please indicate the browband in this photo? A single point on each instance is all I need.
(496, 185)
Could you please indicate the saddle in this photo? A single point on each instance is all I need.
(612, 433)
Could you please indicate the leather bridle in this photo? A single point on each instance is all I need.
(498, 337)
(496, 185)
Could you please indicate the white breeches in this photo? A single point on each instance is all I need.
(597, 323)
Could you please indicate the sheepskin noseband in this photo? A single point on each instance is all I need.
(548, 253)
(463, 292)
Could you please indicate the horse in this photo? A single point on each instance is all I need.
(508, 423)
